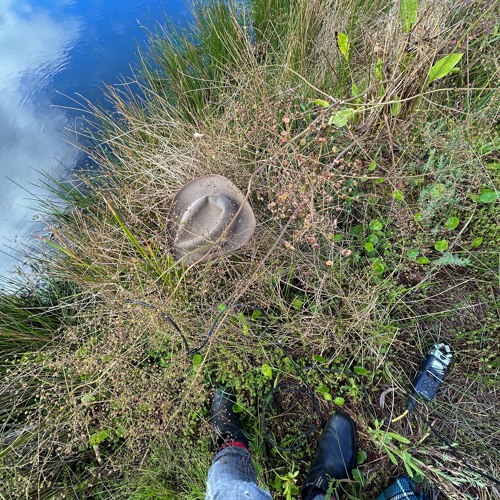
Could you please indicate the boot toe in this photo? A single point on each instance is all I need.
(335, 456)
(341, 434)
(225, 421)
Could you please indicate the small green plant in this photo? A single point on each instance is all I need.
(267, 371)
(441, 245)
(288, 485)
(408, 13)
(413, 254)
(451, 223)
(376, 225)
(325, 391)
(352, 387)
(393, 443)
(488, 196)
(443, 67)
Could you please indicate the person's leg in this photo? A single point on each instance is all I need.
(232, 475)
(335, 457)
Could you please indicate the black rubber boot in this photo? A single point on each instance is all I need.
(224, 420)
(335, 456)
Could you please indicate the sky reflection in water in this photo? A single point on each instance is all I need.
(51, 51)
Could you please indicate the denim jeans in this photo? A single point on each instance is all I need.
(232, 476)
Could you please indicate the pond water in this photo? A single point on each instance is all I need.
(53, 54)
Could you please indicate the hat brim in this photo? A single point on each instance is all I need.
(243, 227)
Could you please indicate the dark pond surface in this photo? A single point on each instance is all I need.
(51, 52)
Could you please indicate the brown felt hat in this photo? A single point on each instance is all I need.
(209, 212)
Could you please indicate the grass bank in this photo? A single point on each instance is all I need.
(366, 135)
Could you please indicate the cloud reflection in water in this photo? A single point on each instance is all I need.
(33, 48)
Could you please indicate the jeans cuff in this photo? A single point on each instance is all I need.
(231, 450)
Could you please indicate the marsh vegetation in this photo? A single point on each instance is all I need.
(366, 135)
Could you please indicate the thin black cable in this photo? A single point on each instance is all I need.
(306, 391)
(315, 415)
(166, 317)
(298, 389)
(219, 315)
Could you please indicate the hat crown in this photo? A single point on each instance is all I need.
(206, 222)
(207, 213)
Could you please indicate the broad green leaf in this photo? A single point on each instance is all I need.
(419, 217)
(441, 245)
(369, 247)
(423, 260)
(379, 266)
(488, 196)
(443, 67)
(408, 469)
(322, 103)
(356, 475)
(355, 90)
(391, 456)
(372, 166)
(98, 437)
(451, 223)
(372, 238)
(319, 359)
(408, 13)
(339, 401)
(238, 408)
(197, 359)
(361, 456)
(342, 117)
(477, 242)
(323, 389)
(379, 67)
(327, 396)
(437, 190)
(267, 371)
(413, 464)
(361, 370)
(413, 254)
(297, 303)
(256, 314)
(376, 225)
(338, 237)
(357, 229)
(398, 195)
(396, 106)
(399, 438)
(344, 45)
(277, 483)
